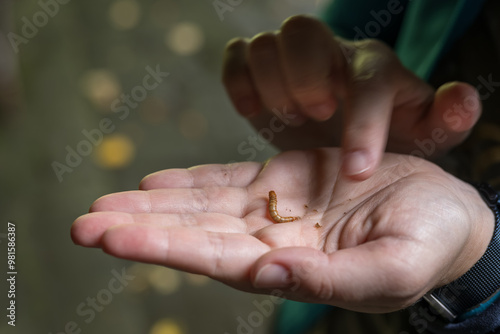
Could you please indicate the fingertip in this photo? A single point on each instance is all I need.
(77, 232)
(458, 89)
(358, 165)
(458, 105)
(83, 232)
(101, 204)
(87, 230)
(272, 276)
(323, 110)
(287, 268)
(146, 182)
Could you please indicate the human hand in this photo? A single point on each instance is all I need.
(372, 246)
(305, 75)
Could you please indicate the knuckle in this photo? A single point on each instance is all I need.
(324, 291)
(374, 65)
(262, 45)
(371, 44)
(201, 201)
(309, 90)
(217, 247)
(236, 44)
(263, 38)
(299, 23)
(369, 73)
(221, 178)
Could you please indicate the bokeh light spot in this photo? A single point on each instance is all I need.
(193, 125)
(101, 87)
(185, 38)
(139, 283)
(197, 280)
(164, 280)
(124, 14)
(166, 326)
(116, 151)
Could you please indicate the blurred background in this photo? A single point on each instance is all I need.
(77, 121)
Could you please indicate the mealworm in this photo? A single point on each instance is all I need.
(273, 203)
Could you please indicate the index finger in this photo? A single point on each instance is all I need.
(368, 110)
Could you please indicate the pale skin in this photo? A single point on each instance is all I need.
(373, 239)
(382, 244)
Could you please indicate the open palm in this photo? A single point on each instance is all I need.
(376, 245)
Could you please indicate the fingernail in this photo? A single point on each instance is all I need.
(321, 112)
(272, 276)
(356, 163)
(247, 107)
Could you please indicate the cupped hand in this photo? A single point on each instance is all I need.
(372, 246)
(303, 76)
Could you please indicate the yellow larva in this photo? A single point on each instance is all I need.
(273, 212)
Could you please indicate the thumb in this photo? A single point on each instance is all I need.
(365, 278)
(455, 110)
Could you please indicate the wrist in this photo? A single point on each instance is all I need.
(480, 285)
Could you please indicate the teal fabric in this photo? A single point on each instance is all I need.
(357, 19)
(429, 30)
(297, 318)
(420, 33)
(481, 308)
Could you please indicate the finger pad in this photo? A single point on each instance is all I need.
(88, 229)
